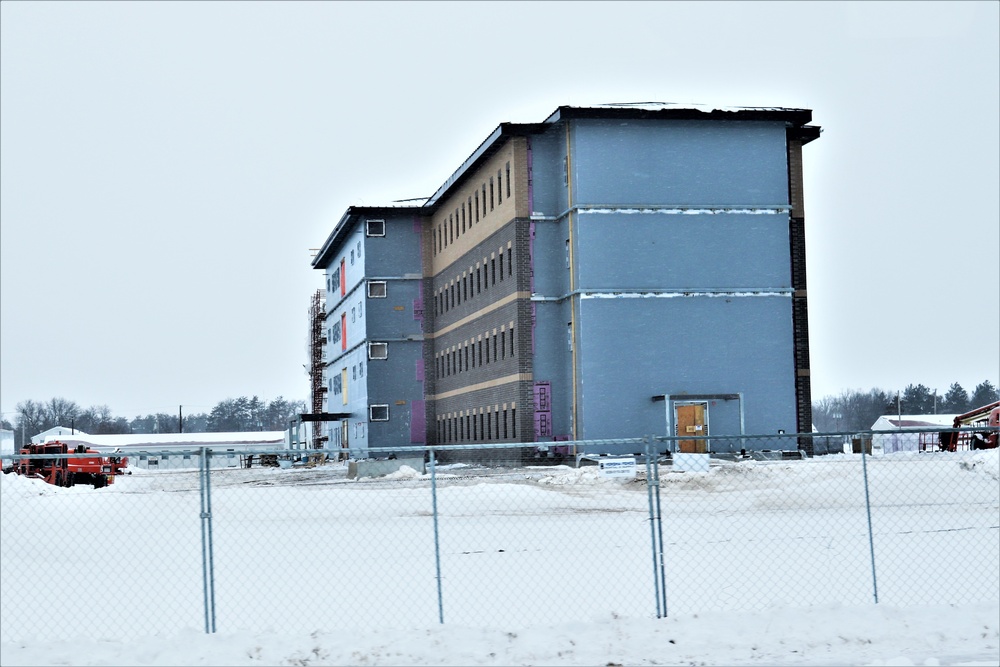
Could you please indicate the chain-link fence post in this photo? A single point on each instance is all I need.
(437, 542)
(868, 511)
(207, 562)
(655, 528)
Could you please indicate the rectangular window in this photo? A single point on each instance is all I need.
(343, 331)
(484, 200)
(361, 369)
(491, 193)
(466, 357)
(377, 289)
(501, 266)
(479, 283)
(512, 341)
(470, 211)
(354, 314)
(495, 347)
(378, 413)
(375, 228)
(352, 257)
(493, 269)
(499, 187)
(462, 215)
(354, 372)
(477, 205)
(487, 348)
(359, 249)
(508, 180)
(343, 277)
(510, 262)
(505, 436)
(480, 351)
(378, 350)
(503, 345)
(343, 384)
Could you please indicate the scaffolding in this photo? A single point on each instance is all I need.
(317, 315)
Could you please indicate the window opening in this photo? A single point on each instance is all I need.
(377, 289)
(376, 228)
(378, 350)
(378, 413)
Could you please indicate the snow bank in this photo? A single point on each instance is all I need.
(985, 462)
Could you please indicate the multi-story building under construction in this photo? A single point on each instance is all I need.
(612, 271)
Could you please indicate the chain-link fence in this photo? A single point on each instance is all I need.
(200, 540)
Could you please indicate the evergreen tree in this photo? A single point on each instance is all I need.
(984, 394)
(956, 400)
(917, 400)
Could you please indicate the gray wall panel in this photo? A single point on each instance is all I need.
(680, 251)
(682, 162)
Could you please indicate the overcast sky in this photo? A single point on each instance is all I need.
(166, 168)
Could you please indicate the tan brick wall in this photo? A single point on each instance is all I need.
(449, 217)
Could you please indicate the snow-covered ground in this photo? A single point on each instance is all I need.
(765, 563)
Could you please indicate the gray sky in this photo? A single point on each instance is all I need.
(166, 168)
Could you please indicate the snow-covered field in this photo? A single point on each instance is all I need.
(765, 563)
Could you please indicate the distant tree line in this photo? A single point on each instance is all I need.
(239, 414)
(858, 410)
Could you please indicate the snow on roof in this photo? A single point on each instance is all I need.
(694, 106)
(890, 422)
(188, 440)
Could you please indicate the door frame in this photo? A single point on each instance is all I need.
(672, 399)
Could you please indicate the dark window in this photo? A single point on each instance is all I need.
(479, 284)
(508, 180)
(501, 266)
(510, 262)
(493, 269)
(378, 350)
(484, 200)
(503, 345)
(477, 205)
(376, 289)
(512, 341)
(495, 347)
(378, 413)
(499, 187)
(491, 193)
(376, 228)
(480, 352)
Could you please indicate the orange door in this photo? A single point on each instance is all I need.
(691, 421)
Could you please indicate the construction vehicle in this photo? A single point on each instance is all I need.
(986, 417)
(88, 467)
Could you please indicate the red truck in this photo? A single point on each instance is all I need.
(90, 467)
